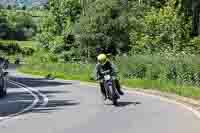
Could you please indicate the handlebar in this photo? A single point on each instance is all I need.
(106, 72)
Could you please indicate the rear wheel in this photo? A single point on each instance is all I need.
(115, 102)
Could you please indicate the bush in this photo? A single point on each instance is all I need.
(179, 68)
(193, 46)
(10, 48)
(73, 71)
(15, 47)
(103, 25)
(159, 29)
(16, 26)
(28, 51)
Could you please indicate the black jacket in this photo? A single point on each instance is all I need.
(108, 66)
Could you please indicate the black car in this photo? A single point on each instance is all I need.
(3, 78)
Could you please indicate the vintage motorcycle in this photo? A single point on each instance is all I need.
(110, 89)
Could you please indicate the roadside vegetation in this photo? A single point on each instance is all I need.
(18, 29)
(151, 42)
(177, 74)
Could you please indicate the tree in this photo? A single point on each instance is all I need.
(5, 28)
(104, 25)
(24, 7)
(159, 30)
(9, 7)
(66, 13)
(191, 8)
(56, 35)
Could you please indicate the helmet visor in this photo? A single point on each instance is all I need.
(103, 61)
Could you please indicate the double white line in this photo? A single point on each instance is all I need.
(35, 93)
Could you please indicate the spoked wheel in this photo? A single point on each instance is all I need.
(113, 96)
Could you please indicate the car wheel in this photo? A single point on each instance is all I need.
(3, 91)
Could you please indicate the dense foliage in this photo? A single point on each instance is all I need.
(104, 25)
(76, 30)
(158, 30)
(16, 26)
(154, 35)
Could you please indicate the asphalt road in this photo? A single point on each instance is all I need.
(37, 105)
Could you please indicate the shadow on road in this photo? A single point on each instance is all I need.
(37, 82)
(17, 99)
(55, 105)
(124, 103)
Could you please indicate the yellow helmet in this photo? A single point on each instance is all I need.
(102, 59)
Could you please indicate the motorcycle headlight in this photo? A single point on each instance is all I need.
(107, 77)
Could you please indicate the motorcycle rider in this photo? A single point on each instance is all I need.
(105, 64)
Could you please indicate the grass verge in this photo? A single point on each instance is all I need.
(160, 85)
(67, 72)
(22, 44)
(164, 86)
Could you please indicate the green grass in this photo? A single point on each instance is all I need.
(181, 69)
(34, 13)
(22, 44)
(82, 73)
(57, 75)
(63, 71)
(164, 86)
(39, 13)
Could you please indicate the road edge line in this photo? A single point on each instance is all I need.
(162, 98)
(34, 103)
(45, 98)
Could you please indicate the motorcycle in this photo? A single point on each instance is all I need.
(110, 89)
(3, 79)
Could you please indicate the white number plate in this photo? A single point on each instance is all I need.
(107, 77)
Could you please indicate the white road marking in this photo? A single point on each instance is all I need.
(45, 98)
(187, 107)
(194, 111)
(25, 109)
(35, 102)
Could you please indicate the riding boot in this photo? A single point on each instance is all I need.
(103, 92)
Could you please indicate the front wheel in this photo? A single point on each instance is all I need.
(113, 96)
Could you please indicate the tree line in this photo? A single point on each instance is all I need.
(81, 29)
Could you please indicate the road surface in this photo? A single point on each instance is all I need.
(37, 105)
